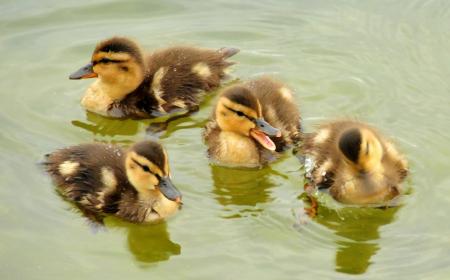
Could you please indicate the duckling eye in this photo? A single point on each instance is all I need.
(104, 60)
(145, 168)
(240, 114)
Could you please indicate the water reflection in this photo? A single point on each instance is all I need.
(242, 191)
(101, 126)
(161, 127)
(149, 243)
(359, 228)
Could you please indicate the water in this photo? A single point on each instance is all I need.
(384, 62)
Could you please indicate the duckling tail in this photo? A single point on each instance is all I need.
(228, 52)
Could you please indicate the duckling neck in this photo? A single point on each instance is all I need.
(237, 149)
(148, 195)
(117, 89)
(101, 94)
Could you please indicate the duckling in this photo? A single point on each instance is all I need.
(252, 123)
(102, 179)
(137, 85)
(356, 163)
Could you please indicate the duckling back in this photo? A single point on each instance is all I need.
(101, 179)
(89, 175)
(177, 78)
(180, 75)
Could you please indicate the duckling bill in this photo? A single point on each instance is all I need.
(102, 179)
(252, 123)
(357, 163)
(131, 83)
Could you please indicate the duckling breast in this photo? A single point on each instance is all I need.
(235, 149)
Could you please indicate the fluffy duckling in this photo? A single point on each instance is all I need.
(356, 163)
(133, 84)
(101, 179)
(252, 123)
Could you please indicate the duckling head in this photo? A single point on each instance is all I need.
(147, 169)
(362, 149)
(239, 111)
(117, 62)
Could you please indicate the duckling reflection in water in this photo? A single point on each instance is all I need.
(358, 232)
(132, 84)
(355, 162)
(148, 243)
(242, 191)
(100, 126)
(103, 179)
(252, 123)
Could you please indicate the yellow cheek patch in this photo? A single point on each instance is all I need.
(237, 107)
(230, 121)
(145, 162)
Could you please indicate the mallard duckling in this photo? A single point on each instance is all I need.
(356, 163)
(252, 123)
(101, 179)
(133, 84)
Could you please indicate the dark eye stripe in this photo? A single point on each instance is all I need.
(107, 60)
(144, 167)
(239, 113)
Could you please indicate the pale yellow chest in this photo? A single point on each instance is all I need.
(96, 100)
(235, 149)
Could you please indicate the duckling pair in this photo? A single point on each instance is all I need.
(134, 184)
(254, 122)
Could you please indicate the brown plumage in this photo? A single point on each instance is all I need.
(102, 179)
(137, 85)
(252, 123)
(356, 163)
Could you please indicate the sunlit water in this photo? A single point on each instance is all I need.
(384, 62)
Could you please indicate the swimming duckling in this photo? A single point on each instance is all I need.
(252, 123)
(356, 163)
(133, 84)
(101, 179)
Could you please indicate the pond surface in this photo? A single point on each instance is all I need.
(384, 62)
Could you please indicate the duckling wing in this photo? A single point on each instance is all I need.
(89, 175)
(181, 75)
